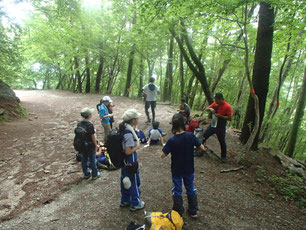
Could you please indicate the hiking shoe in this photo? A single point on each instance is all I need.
(124, 204)
(96, 177)
(194, 216)
(223, 159)
(138, 207)
(87, 176)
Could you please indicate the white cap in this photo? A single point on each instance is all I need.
(107, 98)
(130, 114)
(126, 182)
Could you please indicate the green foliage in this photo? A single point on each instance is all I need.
(42, 53)
(290, 187)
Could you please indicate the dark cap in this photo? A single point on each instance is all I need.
(219, 96)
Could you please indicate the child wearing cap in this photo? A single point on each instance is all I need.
(181, 146)
(89, 153)
(130, 182)
(155, 134)
(105, 116)
(110, 107)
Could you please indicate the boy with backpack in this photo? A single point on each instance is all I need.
(181, 147)
(130, 180)
(155, 134)
(85, 143)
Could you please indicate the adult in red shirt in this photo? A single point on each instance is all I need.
(221, 112)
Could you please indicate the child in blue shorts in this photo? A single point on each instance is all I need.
(181, 146)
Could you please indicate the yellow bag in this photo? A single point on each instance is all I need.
(163, 221)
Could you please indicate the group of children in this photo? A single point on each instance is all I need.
(180, 146)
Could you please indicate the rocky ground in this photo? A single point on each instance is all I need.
(41, 185)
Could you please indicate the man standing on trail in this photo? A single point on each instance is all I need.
(150, 91)
(221, 113)
(105, 117)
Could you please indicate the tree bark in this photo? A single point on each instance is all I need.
(297, 119)
(261, 72)
(87, 88)
(129, 72)
(181, 67)
(77, 74)
(141, 77)
(169, 73)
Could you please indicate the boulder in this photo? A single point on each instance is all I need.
(6, 93)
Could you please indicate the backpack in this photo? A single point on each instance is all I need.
(151, 87)
(80, 144)
(162, 221)
(114, 147)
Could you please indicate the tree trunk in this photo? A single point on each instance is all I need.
(297, 119)
(261, 72)
(169, 71)
(87, 89)
(141, 77)
(198, 71)
(182, 84)
(77, 74)
(129, 72)
(99, 74)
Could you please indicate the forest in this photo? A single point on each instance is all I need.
(251, 51)
(59, 56)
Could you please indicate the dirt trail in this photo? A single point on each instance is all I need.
(41, 185)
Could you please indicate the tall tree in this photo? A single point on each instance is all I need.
(297, 119)
(261, 71)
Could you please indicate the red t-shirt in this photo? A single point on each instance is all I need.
(223, 109)
(193, 124)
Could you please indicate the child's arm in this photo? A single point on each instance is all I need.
(149, 141)
(163, 155)
(162, 140)
(201, 147)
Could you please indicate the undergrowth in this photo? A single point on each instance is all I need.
(290, 186)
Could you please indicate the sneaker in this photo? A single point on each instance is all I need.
(87, 176)
(148, 121)
(96, 177)
(164, 134)
(124, 204)
(138, 207)
(194, 216)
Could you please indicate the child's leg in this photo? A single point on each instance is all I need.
(125, 195)
(135, 190)
(191, 194)
(177, 194)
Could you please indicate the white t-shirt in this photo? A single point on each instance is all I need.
(155, 134)
(151, 94)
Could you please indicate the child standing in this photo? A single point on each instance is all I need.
(130, 180)
(181, 147)
(105, 117)
(155, 134)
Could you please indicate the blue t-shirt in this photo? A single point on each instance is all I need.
(181, 147)
(103, 112)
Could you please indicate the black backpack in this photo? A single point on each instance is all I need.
(80, 144)
(114, 147)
